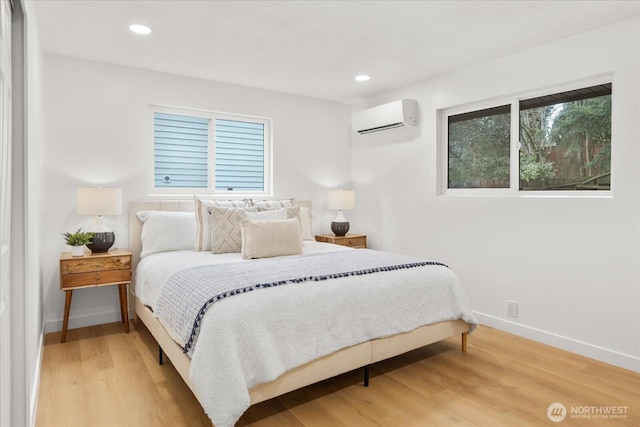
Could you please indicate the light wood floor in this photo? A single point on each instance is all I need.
(103, 377)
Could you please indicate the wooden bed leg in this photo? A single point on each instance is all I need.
(366, 375)
(160, 356)
(464, 341)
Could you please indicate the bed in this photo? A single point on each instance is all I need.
(281, 364)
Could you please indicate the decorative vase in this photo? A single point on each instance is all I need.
(76, 250)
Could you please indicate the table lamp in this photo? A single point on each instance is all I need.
(341, 200)
(100, 201)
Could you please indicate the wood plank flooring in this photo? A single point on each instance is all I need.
(104, 377)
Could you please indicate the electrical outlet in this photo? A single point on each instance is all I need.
(512, 308)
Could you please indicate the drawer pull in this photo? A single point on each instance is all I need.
(98, 265)
(97, 277)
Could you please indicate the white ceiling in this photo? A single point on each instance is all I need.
(314, 48)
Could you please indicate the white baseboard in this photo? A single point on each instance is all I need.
(611, 357)
(82, 321)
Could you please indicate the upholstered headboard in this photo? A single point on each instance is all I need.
(135, 225)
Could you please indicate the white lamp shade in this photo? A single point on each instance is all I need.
(99, 201)
(342, 199)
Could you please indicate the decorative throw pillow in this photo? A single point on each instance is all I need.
(224, 229)
(203, 227)
(164, 231)
(226, 224)
(304, 216)
(265, 239)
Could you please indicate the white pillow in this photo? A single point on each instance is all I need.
(305, 223)
(265, 239)
(267, 215)
(164, 231)
(203, 226)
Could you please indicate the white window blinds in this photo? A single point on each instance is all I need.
(181, 154)
(239, 155)
(218, 152)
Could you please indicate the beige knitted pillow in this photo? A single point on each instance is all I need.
(265, 239)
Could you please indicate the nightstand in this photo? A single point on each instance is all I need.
(358, 241)
(93, 270)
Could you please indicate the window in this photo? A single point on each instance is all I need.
(210, 152)
(565, 140)
(557, 142)
(239, 155)
(479, 151)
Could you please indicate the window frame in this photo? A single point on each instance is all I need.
(211, 190)
(514, 147)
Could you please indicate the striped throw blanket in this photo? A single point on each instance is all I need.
(191, 292)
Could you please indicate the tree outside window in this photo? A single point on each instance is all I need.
(564, 143)
(479, 147)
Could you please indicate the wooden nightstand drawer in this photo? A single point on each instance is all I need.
(94, 278)
(357, 241)
(98, 264)
(354, 242)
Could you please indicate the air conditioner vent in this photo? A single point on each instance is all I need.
(387, 116)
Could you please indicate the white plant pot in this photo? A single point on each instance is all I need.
(76, 250)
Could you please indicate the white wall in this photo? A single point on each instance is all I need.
(571, 264)
(97, 132)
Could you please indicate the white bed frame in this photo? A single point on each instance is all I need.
(345, 360)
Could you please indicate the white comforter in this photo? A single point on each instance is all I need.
(255, 337)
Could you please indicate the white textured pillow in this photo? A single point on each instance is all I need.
(224, 229)
(270, 204)
(265, 239)
(164, 231)
(203, 227)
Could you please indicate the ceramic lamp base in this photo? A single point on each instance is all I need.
(102, 241)
(340, 228)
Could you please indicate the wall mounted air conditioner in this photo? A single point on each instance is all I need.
(387, 116)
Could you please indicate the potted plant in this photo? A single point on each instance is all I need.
(77, 240)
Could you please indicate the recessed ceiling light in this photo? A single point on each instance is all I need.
(140, 29)
(362, 78)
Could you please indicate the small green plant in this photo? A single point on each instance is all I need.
(78, 238)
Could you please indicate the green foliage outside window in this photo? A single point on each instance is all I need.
(563, 145)
(479, 151)
(566, 146)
